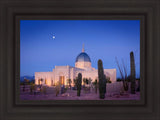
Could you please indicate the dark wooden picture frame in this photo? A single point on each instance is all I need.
(11, 107)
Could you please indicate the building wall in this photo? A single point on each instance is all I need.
(48, 76)
(62, 71)
(71, 73)
(93, 74)
(83, 65)
(88, 74)
(111, 73)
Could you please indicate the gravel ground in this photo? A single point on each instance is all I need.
(72, 95)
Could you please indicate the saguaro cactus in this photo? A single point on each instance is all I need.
(79, 83)
(132, 67)
(102, 81)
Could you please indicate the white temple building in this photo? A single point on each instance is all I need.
(62, 73)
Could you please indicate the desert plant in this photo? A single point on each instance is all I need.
(108, 80)
(84, 81)
(25, 83)
(69, 81)
(79, 83)
(132, 74)
(44, 88)
(41, 84)
(65, 89)
(138, 88)
(87, 81)
(75, 81)
(24, 86)
(62, 89)
(32, 85)
(57, 88)
(95, 83)
(119, 79)
(57, 91)
(124, 78)
(102, 81)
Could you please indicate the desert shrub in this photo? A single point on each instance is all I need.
(57, 88)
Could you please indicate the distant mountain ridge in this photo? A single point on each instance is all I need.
(27, 77)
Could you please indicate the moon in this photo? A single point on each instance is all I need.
(53, 37)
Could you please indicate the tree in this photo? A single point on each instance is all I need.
(24, 86)
(75, 82)
(41, 84)
(95, 83)
(84, 81)
(57, 88)
(89, 81)
(32, 86)
(108, 80)
(25, 83)
(69, 81)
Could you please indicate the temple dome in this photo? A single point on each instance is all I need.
(83, 57)
(83, 61)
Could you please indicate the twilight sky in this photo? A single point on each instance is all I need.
(103, 39)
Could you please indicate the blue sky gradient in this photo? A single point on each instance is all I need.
(103, 39)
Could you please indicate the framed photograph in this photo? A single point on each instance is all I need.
(67, 60)
(44, 43)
